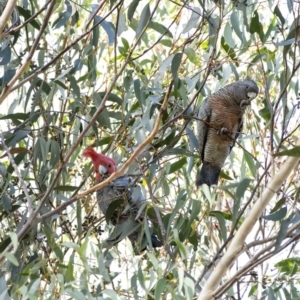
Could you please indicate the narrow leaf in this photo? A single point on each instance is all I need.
(65, 188)
(132, 8)
(63, 19)
(55, 151)
(278, 215)
(145, 17)
(175, 64)
(291, 152)
(160, 28)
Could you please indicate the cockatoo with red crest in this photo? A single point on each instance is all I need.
(121, 201)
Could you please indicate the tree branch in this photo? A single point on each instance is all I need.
(10, 5)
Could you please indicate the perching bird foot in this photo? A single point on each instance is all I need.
(223, 130)
(245, 103)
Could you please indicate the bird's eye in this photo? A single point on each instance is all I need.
(109, 165)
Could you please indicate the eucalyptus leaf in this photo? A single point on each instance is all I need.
(144, 19)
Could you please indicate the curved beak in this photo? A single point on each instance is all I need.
(251, 95)
(102, 170)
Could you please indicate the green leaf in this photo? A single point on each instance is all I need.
(63, 19)
(277, 12)
(160, 28)
(84, 246)
(3, 170)
(178, 165)
(282, 232)
(278, 205)
(194, 19)
(240, 191)
(176, 151)
(285, 42)
(11, 258)
(265, 112)
(104, 141)
(145, 17)
(165, 42)
(71, 245)
(95, 39)
(16, 116)
(5, 213)
(256, 26)
(55, 152)
(191, 54)
(65, 188)
(291, 152)
(111, 293)
(132, 8)
(228, 36)
(112, 97)
(40, 150)
(27, 15)
(75, 295)
(271, 294)
(287, 265)
(182, 248)
(230, 51)
(108, 28)
(138, 92)
(6, 241)
(278, 215)
(74, 87)
(180, 201)
(250, 162)
(17, 136)
(160, 286)
(222, 224)
(45, 87)
(113, 206)
(242, 187)
(18, 159)
(235, 23)
(176, 61)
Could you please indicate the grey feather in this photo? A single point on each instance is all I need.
(127, 217)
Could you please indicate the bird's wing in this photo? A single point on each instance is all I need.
(124, 228)
(122, 182)
(204, 114)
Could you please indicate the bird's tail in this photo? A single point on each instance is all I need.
(140, 245)
(208, 174)
(156, 243)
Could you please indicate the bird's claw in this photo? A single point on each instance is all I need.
(223, 130)
(245, 103)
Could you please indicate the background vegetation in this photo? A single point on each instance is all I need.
(127, 77)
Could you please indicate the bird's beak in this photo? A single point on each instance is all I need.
(102, 170)
(251, 95)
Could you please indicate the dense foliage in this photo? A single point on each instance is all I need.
(127, 78)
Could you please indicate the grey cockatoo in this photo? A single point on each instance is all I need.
(222, 115)
(123, 202)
